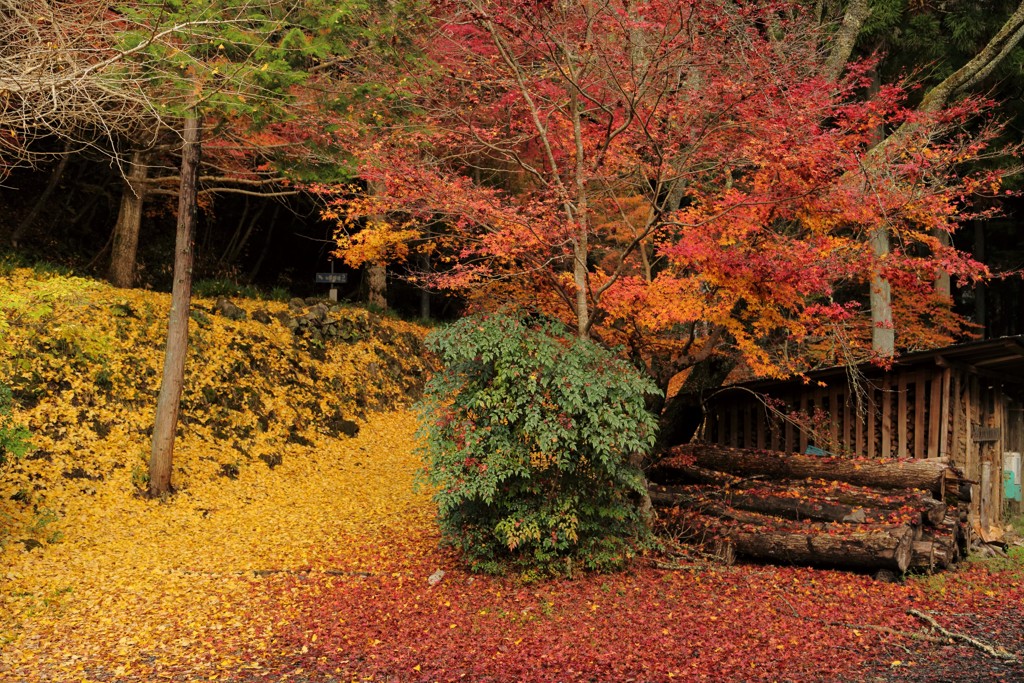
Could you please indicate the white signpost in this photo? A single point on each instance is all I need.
(332, 279)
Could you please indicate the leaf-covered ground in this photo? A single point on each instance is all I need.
(319, 568)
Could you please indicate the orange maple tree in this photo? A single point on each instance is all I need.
(675, 178)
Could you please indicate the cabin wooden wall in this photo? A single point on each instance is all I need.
(1013, 441)
(920, 413)
(905, 415)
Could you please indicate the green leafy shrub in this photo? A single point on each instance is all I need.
(13, 437)
(531, 435)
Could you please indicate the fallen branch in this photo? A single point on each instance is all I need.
(268, 572)
(913, 635)
(998, 653)
(328, 572)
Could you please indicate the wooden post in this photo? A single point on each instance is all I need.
(833, 415)
(789, 436)
(848, 444)
(920, 437)
(872, 418)
(806, 413)
(886, 449)
(934, 409)
(999, 411)
(858, 427)
(944, 414)
(957, 456)
(734, 420)
(972, 468)
(761, 425)
(985, 505)
(751, 425)
(901, 416)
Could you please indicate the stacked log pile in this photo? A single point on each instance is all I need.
(850, 513)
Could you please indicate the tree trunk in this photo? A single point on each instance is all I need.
(860, 546)
(681, 414)
(932, 511)
(931, 554)
(789, 507)
(809, 502)
(580, 279)
(166, 420)
(980, 304)
(676, 476)
(267, 241)
(927, 475)
(424, 292)
(675, 471)
(26, 223)
(881, 549)
(377, 281)
(942, 282)
(883, 332)
(129, 220)
(845, 38)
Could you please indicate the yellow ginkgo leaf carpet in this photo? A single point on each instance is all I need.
(139, 587)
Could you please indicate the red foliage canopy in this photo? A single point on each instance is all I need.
(669, 176)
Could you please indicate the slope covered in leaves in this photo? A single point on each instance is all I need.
(83, 361)
(325, 566)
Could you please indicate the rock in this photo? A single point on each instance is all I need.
(436, 577)
(296, 304)
(229, 470)
(200, 317)
(230, 310)
(261, 315)
(272, 460)
(295, 437)
(886, 576)
(338, 424)
(79, 473)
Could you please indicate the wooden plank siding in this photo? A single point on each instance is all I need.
(935, 425)
(901, 416)
(859, 415)
(919, 411)
(920, 437)
(944, 413)
(804, 410)
(885, 448)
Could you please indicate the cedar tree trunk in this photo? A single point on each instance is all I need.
(883, 332)
(129, 220)
(166, 420)
(55, 177)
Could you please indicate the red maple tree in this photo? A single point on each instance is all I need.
(672, 177)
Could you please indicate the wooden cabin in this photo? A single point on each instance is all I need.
(962, 402)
